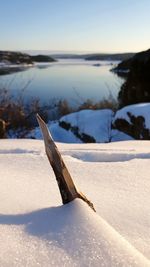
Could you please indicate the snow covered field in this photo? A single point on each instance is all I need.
(36, 230)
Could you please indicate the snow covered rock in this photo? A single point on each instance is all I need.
(89, 126)
(101, 126)
(86, 126)
(134, 120)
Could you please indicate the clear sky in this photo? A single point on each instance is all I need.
(75, 25)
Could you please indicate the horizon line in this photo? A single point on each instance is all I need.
(80, 52)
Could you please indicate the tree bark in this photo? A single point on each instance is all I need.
(66, 185)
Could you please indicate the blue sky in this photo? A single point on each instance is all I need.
(75, 25)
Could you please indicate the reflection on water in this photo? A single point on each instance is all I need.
(74, 80)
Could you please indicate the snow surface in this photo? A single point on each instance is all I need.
(36, 230)
(136, 110)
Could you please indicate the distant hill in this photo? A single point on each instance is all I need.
(127, 64)
(98, 56)
(42, 58)
(136, 88)
(67, 56)
(10, 57)
(15, 57)
(11, 61)
(119, 56)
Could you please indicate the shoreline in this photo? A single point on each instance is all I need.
(6, 69)
(9, 69)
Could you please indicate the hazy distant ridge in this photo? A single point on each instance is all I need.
(97, 56)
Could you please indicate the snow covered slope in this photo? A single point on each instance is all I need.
(85, 126)
(36, 230)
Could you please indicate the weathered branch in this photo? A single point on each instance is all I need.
(66, 185)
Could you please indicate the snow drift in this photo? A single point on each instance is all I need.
(37, 231)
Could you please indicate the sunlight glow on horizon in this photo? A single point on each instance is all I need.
(73, 25)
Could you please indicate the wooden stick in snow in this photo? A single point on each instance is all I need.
(66, 185)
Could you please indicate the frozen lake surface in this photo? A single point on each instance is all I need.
(74, 80)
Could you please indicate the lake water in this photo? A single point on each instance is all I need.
(74, 80)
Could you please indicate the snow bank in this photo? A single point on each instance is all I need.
(37, 231)
(117, 135)
(71, 235)
(101, 126)
(80, 127)
(134, 120)
(136, 110)
(58, 133)
(95, 123)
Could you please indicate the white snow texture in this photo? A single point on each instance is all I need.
(37, 230)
